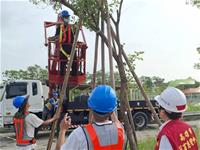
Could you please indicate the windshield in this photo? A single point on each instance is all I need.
(16, 89)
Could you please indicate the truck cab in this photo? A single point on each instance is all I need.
(33, 88)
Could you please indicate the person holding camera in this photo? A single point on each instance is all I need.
(102, 133)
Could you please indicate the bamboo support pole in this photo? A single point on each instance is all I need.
(64, 86)
(131, 135)
(141, 88)
(112, 79)
(125, 106)
(137, 81)
(94, 70)
(95, 61)
(102, 48)
(124, 112)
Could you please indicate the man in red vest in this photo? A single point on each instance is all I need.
(102, 134)
(66, 38)
(174, 134)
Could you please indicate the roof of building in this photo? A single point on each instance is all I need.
(191, 90)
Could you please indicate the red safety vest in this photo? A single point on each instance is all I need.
(180, 135)
(21, 135)
(66, 38)
(95, 140)
(63, 31)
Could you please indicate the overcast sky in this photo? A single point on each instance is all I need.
(168, 32)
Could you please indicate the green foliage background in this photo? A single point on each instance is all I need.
(34, 72)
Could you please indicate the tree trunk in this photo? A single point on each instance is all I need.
(129, 125)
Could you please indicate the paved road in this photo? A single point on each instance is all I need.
(7, 139)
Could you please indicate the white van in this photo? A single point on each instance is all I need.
(33, 88)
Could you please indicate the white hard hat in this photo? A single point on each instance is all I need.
(172, 99)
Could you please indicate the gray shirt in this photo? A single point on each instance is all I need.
(77, 139)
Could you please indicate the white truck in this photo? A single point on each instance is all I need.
(38, 94)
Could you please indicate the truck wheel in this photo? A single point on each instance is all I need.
(140, 120)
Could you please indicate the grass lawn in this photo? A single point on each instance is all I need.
(149, 143)
(193, 107)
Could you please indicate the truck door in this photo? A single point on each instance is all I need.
(36, 100)
(2, 91)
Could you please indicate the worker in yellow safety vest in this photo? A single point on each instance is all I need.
(102, 133)
(25, 124)
(50, 107)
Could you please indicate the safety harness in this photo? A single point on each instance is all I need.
(21, 134)
(63, 37)
(95, 140)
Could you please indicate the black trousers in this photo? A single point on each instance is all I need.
(74, 70)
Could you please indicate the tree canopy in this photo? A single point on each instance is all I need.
(196, 2)
(34, 72)
(87, 10)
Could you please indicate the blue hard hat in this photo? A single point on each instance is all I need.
(103, 99)
(55, 94)
(64, 13)
(18, 101)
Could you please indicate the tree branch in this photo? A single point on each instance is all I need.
(67, 4)
(119, 12)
